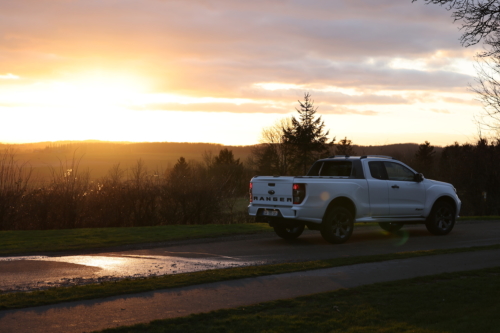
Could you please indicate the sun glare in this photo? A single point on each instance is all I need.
(99, 92)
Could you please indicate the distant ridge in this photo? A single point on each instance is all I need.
(398, 150)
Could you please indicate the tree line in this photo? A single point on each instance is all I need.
(190, 193)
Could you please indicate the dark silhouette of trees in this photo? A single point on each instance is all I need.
(424, 159)
(473, 170)
(226, 157)
(180, 169)
(344, 147)
(228, 172)
(306, 137)
(272, 155)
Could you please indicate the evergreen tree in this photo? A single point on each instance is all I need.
(344, 147)
(425, 159)
(181, 168)
(306, 136)
(226, 157)
(228, 173)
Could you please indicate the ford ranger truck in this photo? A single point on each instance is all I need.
(342, 190)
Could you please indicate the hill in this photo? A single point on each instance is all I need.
(99, 156)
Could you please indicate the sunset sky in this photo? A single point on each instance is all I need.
(380, 71)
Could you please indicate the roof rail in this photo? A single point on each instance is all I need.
(333, 156)
(378, 156)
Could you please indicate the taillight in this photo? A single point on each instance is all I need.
(298, 193)
(250, 191)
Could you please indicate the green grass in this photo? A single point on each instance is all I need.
(106, 289)
(451, 302)
(18, 242)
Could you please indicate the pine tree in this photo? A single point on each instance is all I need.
(306, 136)
(344, 147)
(181, 168)
(425, 158)
(226, 157)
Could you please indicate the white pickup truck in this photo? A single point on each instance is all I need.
(342, 190)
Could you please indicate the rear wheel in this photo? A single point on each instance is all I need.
(391, 226)
(441, 219)
(289, 232)
(337, 225)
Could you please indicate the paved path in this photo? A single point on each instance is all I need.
(91, 315)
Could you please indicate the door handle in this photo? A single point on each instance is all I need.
(395, 186)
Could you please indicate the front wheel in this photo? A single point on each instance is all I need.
(442, 219)
(391, 226)
(289, 232)
(337, 225)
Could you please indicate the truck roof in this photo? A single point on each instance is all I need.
(344, 157)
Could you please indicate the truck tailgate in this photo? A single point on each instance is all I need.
(274, 191)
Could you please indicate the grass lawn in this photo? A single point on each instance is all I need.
(106, 289)
(17, 242)
(452, 302)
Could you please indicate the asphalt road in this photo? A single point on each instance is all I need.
(27, 273)
(311, 246)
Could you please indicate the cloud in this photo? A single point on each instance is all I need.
(441, 111)
(9, 76)
(214, 107)
(222, 48)
(455, 100)
(345, 110)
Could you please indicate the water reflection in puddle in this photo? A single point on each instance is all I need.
(109, 268)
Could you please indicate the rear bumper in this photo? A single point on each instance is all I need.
(283, 213)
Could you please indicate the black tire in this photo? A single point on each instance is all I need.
(441, 219)
(337, 225)
(391, 226)
(289, 232)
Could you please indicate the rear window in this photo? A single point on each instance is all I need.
(331, 169)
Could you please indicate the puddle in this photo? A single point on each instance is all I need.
(86, 269)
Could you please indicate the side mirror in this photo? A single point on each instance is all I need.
(418, 177)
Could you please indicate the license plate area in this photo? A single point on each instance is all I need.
(270, 212)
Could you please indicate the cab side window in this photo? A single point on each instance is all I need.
(377, 170)
(396, 171)
(314, 171)
(336, 169)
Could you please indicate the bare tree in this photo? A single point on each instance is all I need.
(480, 20)
(271, 156)
(488, 88)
